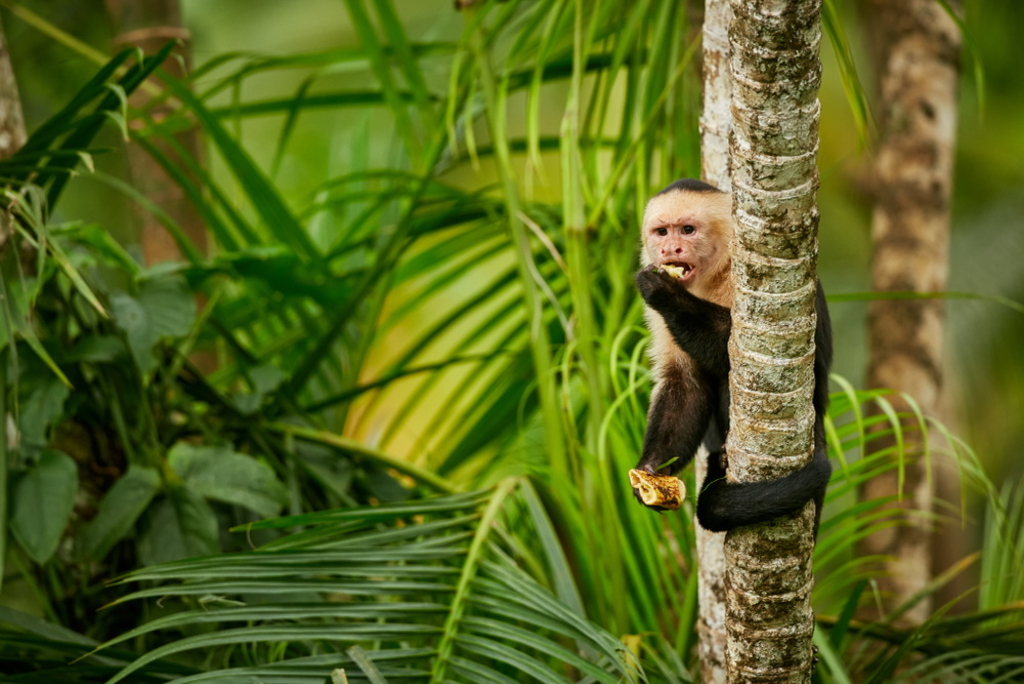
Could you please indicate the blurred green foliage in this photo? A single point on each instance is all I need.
(421, 283)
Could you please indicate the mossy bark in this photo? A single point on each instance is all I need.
(12, 123)
(776, 73)
(715, 122)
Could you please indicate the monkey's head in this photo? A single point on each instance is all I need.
(688, 227)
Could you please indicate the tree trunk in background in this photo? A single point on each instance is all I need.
(776, 73)
(715, 122)
(150, 24)
(12, 124)
(917, 47)
(716, 119)
(12, 137)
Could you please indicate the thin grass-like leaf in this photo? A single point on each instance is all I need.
(277, 217)
(382, 70)
(81, 137)
(855, 93)
(354, 447)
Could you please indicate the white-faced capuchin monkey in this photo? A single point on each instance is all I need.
(687, 284)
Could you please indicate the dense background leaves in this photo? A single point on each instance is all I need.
(423, 232)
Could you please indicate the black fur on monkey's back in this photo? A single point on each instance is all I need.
(690, 404)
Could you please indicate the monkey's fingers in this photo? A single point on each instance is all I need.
(660, 492)
(660, 290)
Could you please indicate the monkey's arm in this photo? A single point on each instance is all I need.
(700, 328)
(677, 420)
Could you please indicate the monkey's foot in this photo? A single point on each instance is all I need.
(660, 492)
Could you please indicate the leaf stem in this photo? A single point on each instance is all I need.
(469, 568)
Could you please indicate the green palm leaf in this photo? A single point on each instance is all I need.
(429, 589)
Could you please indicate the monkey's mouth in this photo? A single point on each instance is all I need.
(678, 269)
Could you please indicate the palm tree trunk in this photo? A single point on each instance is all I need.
(715, 122)
(12, 137)
(775, 78)
(716, 118)
(917, 48)
(12, 123)
(150, 24)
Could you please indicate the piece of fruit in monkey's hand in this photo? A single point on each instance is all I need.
(663, 492)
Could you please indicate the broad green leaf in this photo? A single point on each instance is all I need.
(217, 472)
(45, 403)
(96, 349)
(103, 246)
(164, 308)
(131, 317)
(41, 503)
(178, 525)
(170, 306)
(118, 511)
(264, 379)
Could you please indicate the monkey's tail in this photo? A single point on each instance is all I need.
(722, 505)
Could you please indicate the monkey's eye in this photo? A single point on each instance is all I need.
(689, 230)
(661, 231)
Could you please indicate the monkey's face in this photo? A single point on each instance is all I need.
(688, 233)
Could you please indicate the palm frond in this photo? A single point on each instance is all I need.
(429, 588)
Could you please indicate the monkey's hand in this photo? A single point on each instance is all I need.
(662, 292)
(700, 328)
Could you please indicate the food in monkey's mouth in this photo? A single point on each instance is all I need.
(680, 271)
(665, 492)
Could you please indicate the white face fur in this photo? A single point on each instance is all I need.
(690, 233)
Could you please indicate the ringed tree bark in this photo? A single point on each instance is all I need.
(776, 73)
(12, 123)
(917, 50)
(715, 122)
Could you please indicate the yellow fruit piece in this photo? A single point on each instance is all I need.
(663, 491)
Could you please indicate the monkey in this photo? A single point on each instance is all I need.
(686, 283)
